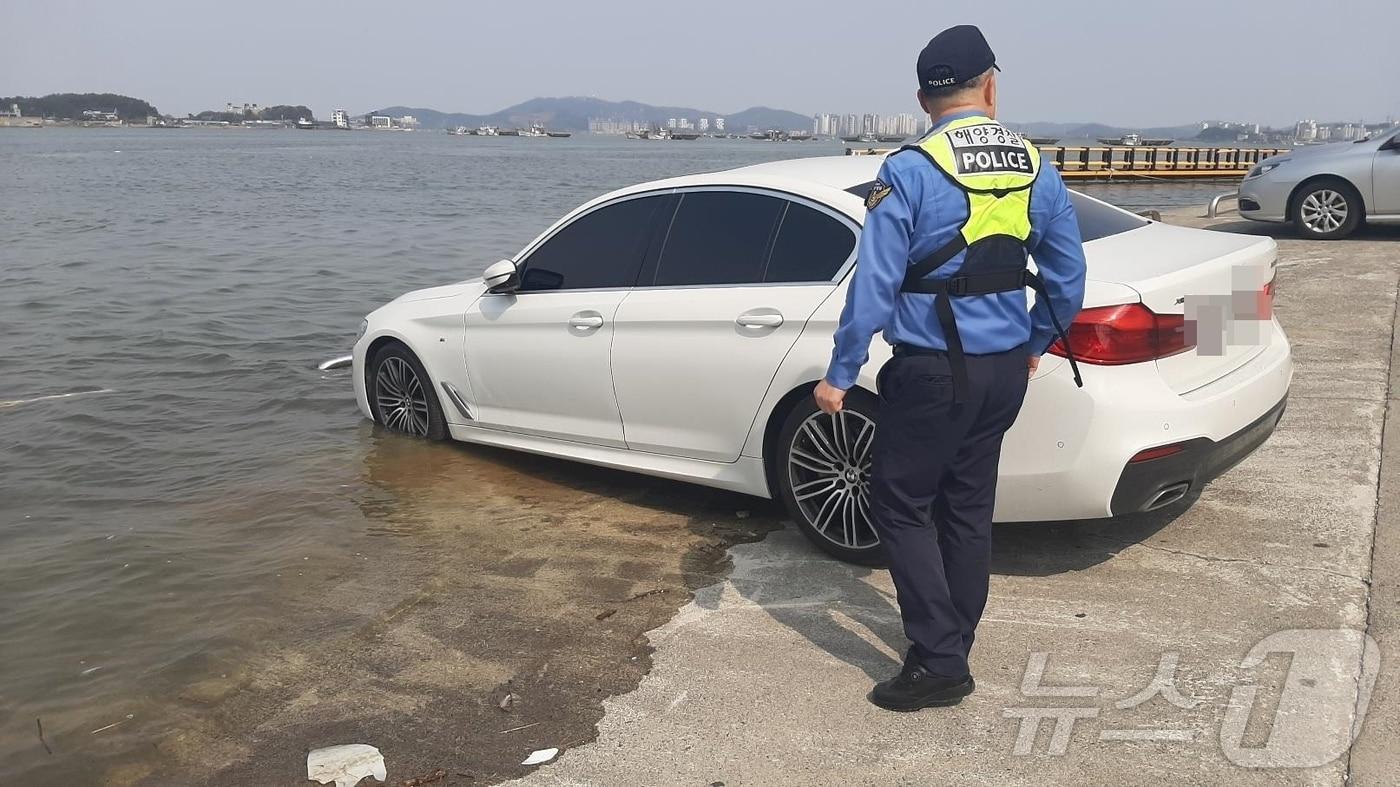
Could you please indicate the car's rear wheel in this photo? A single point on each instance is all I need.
(400, 394)
(822, 473)
(1326, 209)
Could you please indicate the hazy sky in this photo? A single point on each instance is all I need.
(1131, 62)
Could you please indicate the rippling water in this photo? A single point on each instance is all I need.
(183, 284)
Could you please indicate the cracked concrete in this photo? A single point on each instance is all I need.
(761, 679)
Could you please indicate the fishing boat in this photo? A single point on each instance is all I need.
(559, 134)
(508, 132)
(685, 135)
(534, 130)
(487, 131)
(305, 124)
(1043, 140)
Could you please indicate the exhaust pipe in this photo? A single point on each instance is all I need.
(1168, 496)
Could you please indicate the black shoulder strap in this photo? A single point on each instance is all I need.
(1036, 283)
(929, 264)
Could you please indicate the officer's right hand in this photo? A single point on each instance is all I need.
(1032, 363)
(829, 397)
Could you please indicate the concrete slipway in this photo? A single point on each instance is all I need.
(761, 679)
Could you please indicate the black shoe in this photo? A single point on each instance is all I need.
(915, 688)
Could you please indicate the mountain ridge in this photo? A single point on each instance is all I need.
(572, 113)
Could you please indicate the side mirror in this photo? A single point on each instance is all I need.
(501, 278)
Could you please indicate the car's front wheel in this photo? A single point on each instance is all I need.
(401, 396)
(822, 473)
(1326, 209)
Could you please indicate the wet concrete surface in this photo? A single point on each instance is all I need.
(504, 597)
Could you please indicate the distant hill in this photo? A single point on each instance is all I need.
(1096, 130)
(66, 106)
(573, 113)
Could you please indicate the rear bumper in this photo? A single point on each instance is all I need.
(1144, 486)
(1067, 454)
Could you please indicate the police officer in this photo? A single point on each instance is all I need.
(943, 272)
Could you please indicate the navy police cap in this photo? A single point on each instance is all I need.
(954, 56)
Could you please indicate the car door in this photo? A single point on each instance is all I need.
(1385, 177)
(697, 343)
(538, 359)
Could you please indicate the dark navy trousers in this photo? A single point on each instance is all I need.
(933, 484)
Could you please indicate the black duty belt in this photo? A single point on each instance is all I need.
(976, 284)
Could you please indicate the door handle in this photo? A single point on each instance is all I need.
(766, 320)
(586, 321)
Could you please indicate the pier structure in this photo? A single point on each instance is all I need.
(1141, 162)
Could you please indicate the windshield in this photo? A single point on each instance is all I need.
(1096, 219)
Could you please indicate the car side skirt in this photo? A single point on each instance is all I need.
(746, 475)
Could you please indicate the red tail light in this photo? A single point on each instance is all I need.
(1131, 333)
(1266, 301)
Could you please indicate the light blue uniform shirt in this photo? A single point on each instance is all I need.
(923, 211)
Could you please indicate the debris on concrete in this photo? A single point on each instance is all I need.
(646, 593)
(345, 765)
(605, 614)
(540, 756)
(418, 781)
(508, 701)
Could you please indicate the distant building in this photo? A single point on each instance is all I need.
(1305, 131)
(408, 121)
(671, 123)
(719, 124)
(704, 124)
(340, 119)
(381, 121)
(100, 115)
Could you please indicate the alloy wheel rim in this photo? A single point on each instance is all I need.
(400, 398)
(829, 471)
(1324, 210)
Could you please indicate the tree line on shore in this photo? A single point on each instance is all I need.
(70, 106)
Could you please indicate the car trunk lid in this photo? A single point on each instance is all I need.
(1213, 279)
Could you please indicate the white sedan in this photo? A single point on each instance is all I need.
(677, 328)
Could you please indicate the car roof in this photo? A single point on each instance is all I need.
(823, 178)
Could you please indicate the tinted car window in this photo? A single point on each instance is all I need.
(599, 249)
(1095, 220)
(718, 237)
(811, 246)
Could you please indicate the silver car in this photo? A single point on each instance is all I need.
(1327, 191)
